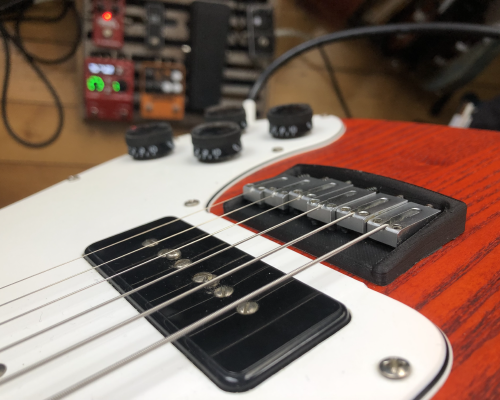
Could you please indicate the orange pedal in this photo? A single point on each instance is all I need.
(163, 90)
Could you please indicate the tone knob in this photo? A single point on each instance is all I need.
(216, 141)
(149, 141)
(227, 113)
(290, 120)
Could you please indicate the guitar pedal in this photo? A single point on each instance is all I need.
(163, 90)
(109, 89)
(108, 23)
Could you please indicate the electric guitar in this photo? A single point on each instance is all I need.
(181, 227)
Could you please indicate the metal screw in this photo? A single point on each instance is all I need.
(277, 149)
(377, 220)
(154, 40)
(203, 277)
(170, 254)
(331, 205)
(298, 191)
(372, 189)
(394, 367)
(284, 192)
(223, 291)
(345, 209)
(3, 369)
(400, 196)
(363, 213)
(182, 263)
(325, 178)
(73, 178)
(397, 227)
(349, 182)
(430, 205)
(192, 203)
(247, 308)
(185, 48)
(314, 201)
(149, 243)
(263, 41)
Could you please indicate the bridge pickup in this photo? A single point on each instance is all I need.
(374, 200)
(235, 351)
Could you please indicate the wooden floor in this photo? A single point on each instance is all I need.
(372, 89)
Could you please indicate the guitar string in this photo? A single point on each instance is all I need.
(130, 292)
(126, 270)
(166, 303)
(158, 241)
(138, 234)
(121, 241)
(182, 332)
(134, 251)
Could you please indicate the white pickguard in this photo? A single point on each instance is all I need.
(57, 224)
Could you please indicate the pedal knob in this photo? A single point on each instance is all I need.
(216, 141)
(290, 120)
(149, 141)
(227, 113)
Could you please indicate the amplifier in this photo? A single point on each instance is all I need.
(219, 48)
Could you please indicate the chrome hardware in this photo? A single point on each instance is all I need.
(149, 243)
(247, 308)
(182, 263)
(395, 368)
(223, 291)
(170, 254)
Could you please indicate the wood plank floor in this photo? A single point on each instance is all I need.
(371, 87)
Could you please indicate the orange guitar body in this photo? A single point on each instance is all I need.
(457, 287)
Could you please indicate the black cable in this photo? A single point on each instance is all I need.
(335, 82)
(14, 3)
(447, 28)
(69, 5)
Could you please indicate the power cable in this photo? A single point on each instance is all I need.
(443, 28)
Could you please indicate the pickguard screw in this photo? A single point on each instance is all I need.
(345, 209)
(247, 308)
(395, 368)
(149, 243)
(170, 254)
(3, 369)
(182, 263)
(73, 178)
(203, 277)
(192, 203)
(223, 291)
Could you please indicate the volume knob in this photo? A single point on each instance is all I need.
(216, 141)
(290, 120)
(227, 113)
(149, 141)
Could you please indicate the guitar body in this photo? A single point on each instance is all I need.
(457, 287)
(454, 289)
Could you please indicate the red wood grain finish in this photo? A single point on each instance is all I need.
(457, 287)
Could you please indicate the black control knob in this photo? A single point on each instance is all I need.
(149, 141)
(290, 120)
(216, 141)
(227, 113)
